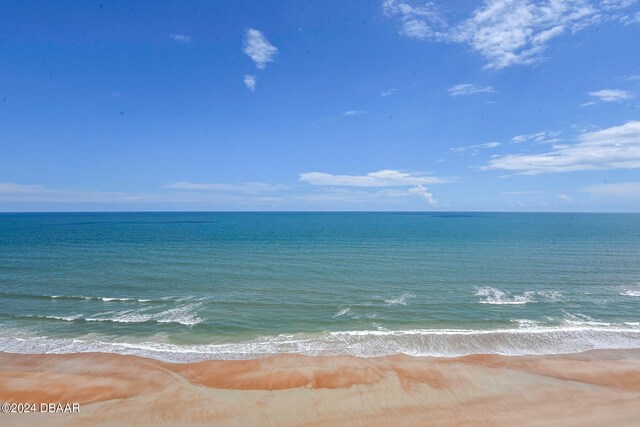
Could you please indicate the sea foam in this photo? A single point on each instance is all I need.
(365, 343)
(184, 315)
(400, 300)
(495, 296)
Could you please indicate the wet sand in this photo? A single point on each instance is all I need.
(597, 388)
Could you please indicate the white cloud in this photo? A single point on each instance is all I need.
(587, 104)
(26, 193)
(423, 192)
(383, 178)
(619, 189)
(617, 147)
(200, 195)
(539, 137)
(468, 89)
(250, 82)
(418, 21)
(521, 192)
(182, 38)
(476, 147)
(247, 187)
(611, 95)
(505, 32)
(258, 48)
(388, 92)
(354, 113)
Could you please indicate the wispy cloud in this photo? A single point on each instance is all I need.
(469, 89)
(383, 178)
(475, 148)
(247, 187)
(390, 181)
(176, 195)
(389, 192)
(388, 92)
(505, 32)
(258, 48)
(617, 147)
(27, 193)
(354, 113)
(619, 189)
(420, 21)
(565, 198)
(250, 81)
(182, 38)
(539, 137)
(521, 192)
(611, 95)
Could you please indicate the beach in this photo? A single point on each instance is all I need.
(595, 388)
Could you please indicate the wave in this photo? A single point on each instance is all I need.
(75, 297)
(552, 296)
(184, 315)
(526, 323)
(365, 343)
(578, 319)
(401, 300)
(105, 299)
(631, 293)
(496, 296)
(342, 312)
(65, 318)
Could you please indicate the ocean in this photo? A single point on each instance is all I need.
(197, 286)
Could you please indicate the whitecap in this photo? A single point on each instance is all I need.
(496, 296)
(401, 300)
(552, 296)
(342, 312)
(184, 315)
(65, 318)
(631, 293)
(526, 323)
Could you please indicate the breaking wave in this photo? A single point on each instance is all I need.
(74, 297)
(184, 315)
(401, 300)
(367, 343)
(495, 296)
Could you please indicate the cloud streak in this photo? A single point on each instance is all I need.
(383, 178)
(354, 113)
(469, 89)
(539, 137)
(617, 147)
(181, 38)
(611, 95)
(247, 187)
(619, 189)
(476, 147)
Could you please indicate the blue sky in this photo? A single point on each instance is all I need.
(507, 105)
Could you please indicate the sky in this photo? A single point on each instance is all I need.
(496, 105)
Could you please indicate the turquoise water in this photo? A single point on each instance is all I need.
(192, 286)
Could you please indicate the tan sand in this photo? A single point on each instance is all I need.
(598, 388)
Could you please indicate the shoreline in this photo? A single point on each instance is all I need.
(596, 387)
